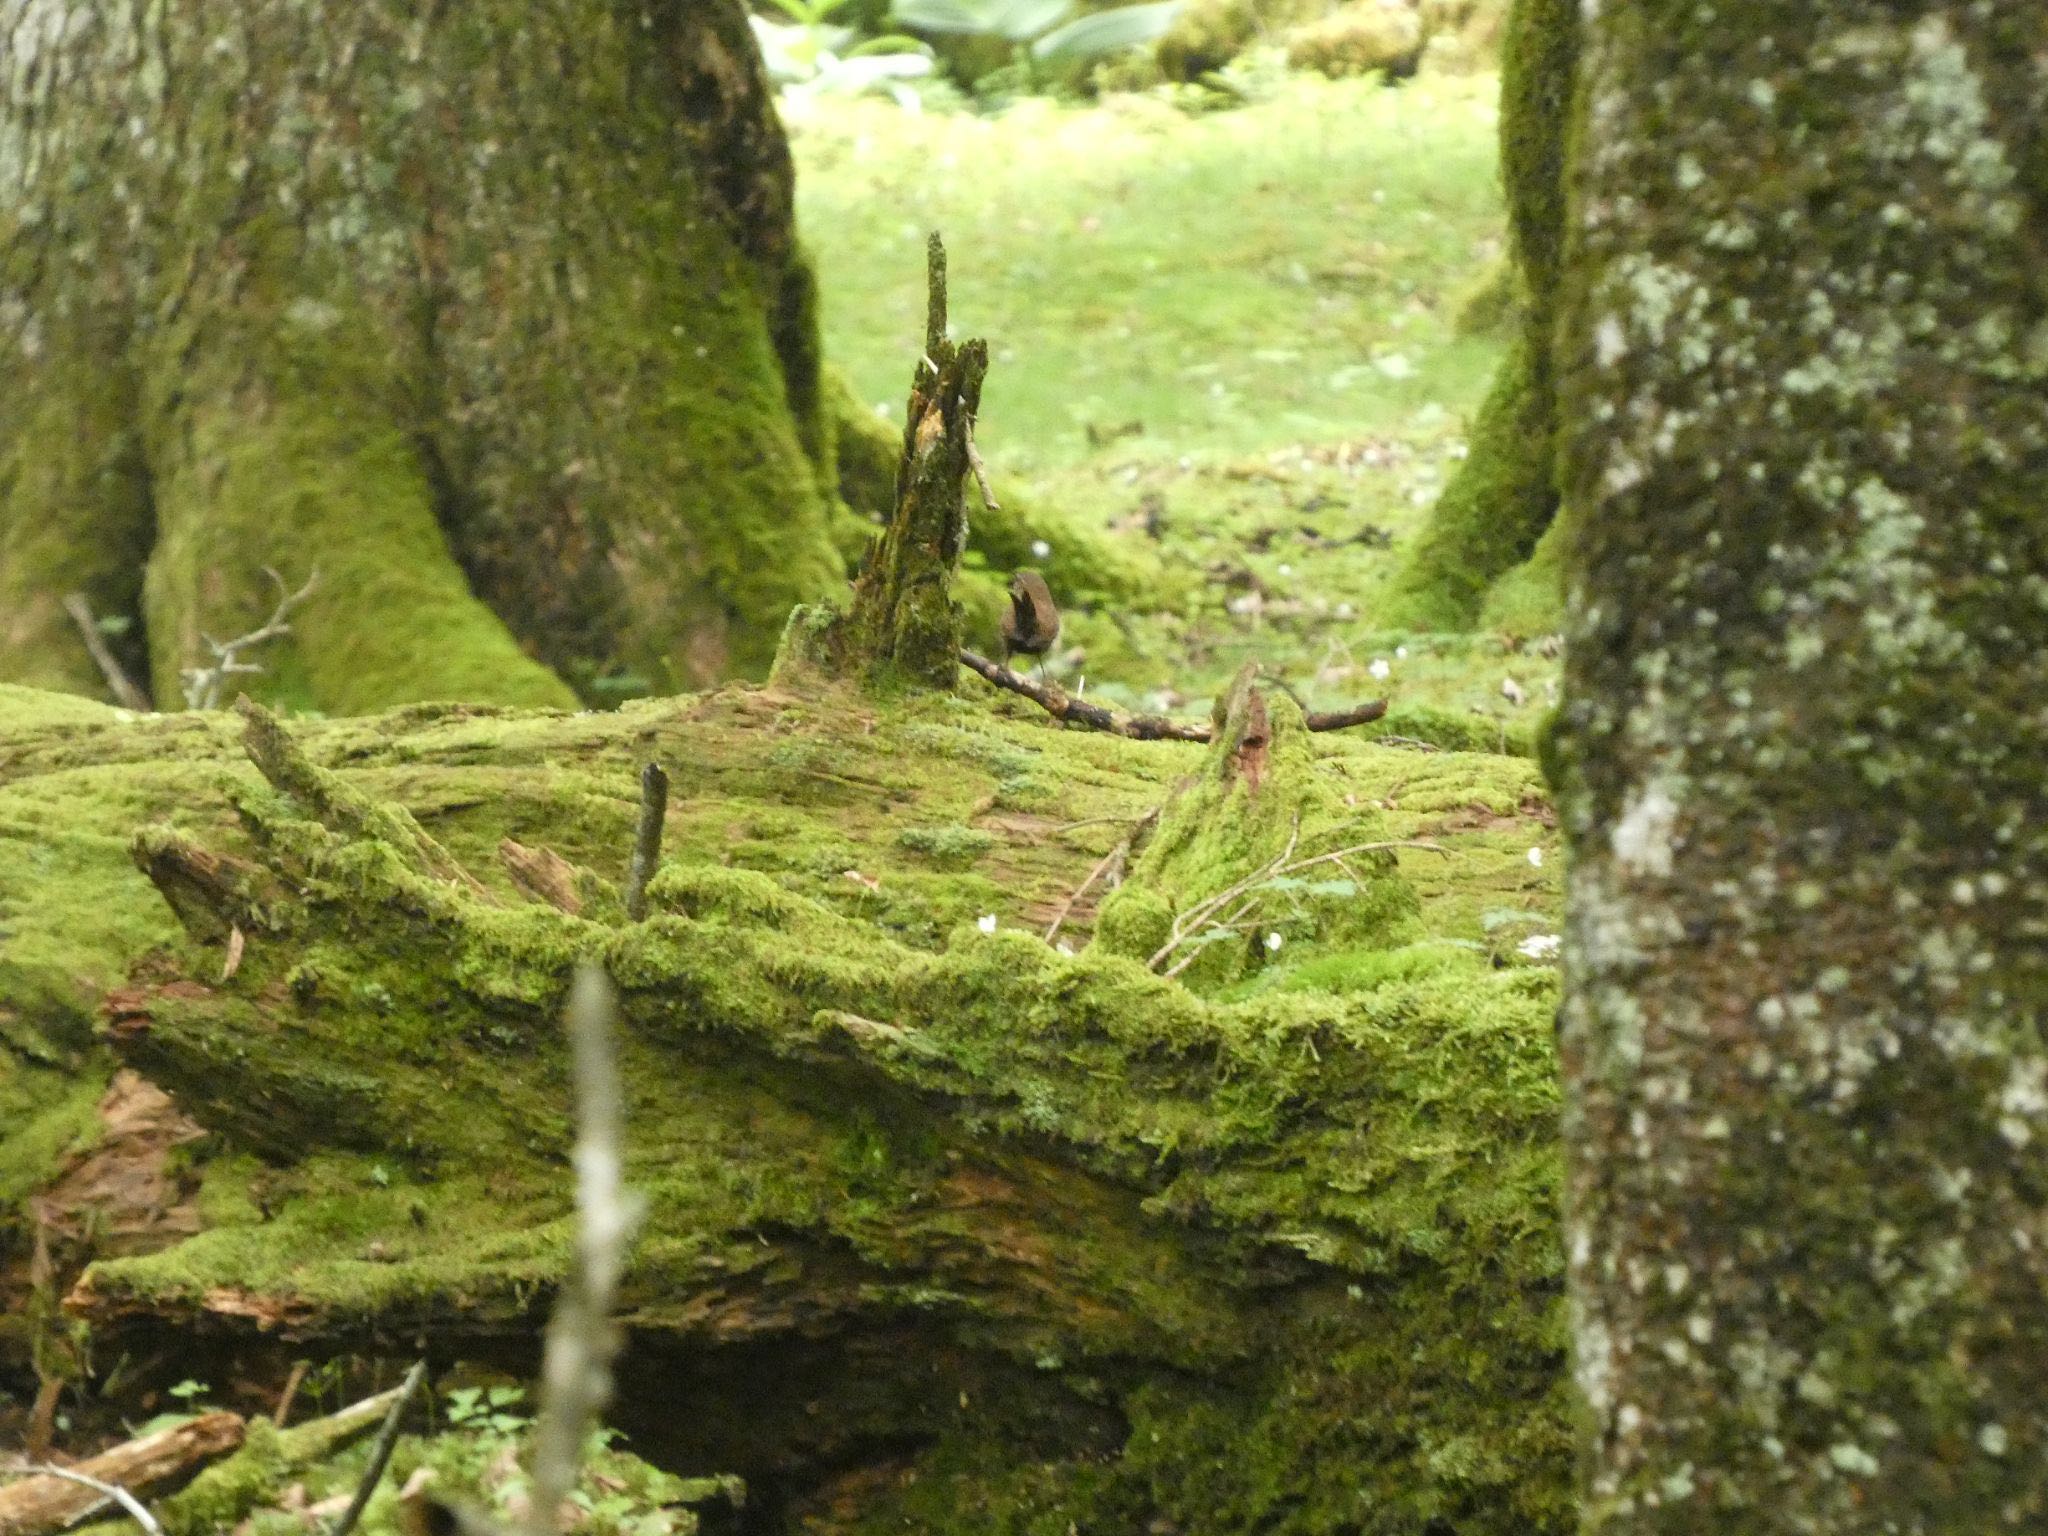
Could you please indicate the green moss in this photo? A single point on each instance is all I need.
(1360, 38)
(51, 1116)
(77, 517)
(1266, 812)
(833, 1084)
(947, 847)
(220, 1496)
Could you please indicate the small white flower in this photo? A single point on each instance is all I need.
(1540, 946)
(1535, 858)
(1040, 549)
(1345, 610)
(1380, 669)
(1400, 653)
(1286, 569)
(1273, 942)
(986, 922)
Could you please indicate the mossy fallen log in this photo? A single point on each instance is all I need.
(950, 1229)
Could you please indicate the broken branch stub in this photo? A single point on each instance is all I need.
(903, 621)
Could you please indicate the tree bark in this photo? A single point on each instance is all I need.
(1804, 737)
(949, 1230)
(1493, 515)
(492, 314)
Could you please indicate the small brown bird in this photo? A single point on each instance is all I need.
(1032, 623)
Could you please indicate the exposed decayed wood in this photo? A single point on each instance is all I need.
(542, 874)
(39, 1504)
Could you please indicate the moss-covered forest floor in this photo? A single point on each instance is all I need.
(1246, 341)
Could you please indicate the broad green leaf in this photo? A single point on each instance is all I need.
(1022, 20)
(892, 43)
(1105, 32)
(941, 16)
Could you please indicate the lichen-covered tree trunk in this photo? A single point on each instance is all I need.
(950, 1230)
(1807, 1087)
(491, 314)
(1494, 512)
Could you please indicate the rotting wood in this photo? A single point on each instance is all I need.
(42, 1503)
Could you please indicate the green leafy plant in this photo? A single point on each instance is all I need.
(487, 1410)
(811, 54)
(1045, 34)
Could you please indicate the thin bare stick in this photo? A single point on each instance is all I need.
(1063, 706)
(120, 682)
(576, 1376)
(646, 839)
(1199, 919)
(114, 1491)
(1188, 923)
(1115, 857)
(203, 684)
(380, 1453)
(974, 462)
(290, 1393)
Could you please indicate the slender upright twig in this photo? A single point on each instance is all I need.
(119, 681)
(576, 1375)
(380, 1453)
(646, 839)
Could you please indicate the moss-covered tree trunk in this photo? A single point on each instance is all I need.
(1494, 512)
(491, 314)
(950, 1229)
(1807, 1087)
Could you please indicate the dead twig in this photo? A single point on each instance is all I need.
(1066, 707)
(646, 839)
(285, 1398)
(123, 686)
(1111, 867)
(1061, 705)
(203, 684)
(380, 1453)
(1201, 918)
(974, 462)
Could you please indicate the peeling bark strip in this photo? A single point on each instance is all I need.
(1804, 734)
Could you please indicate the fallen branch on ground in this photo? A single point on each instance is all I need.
(51, 1498)
(1063, 706)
